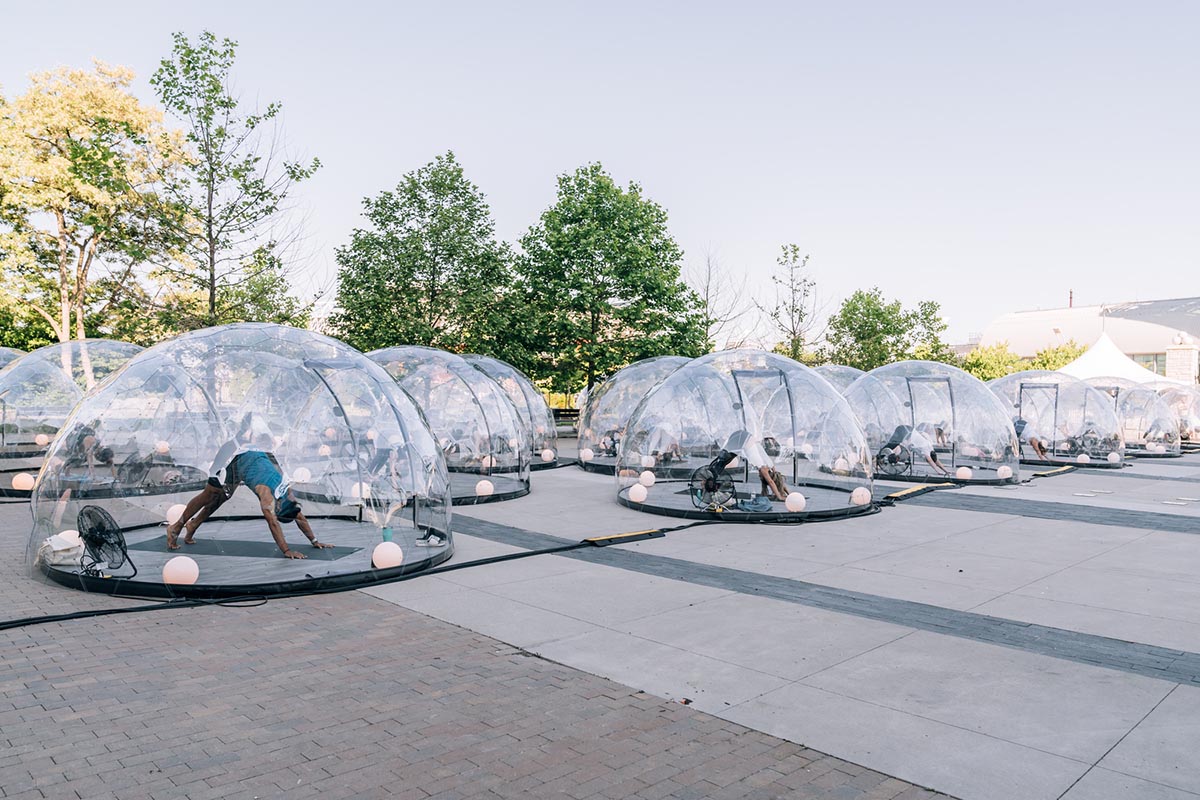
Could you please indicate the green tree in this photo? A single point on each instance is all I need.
(81, 162)
(227, 209)
(428, 270)
(869, 331)
(992, 361)
(1057, 356)
(792, 314)
(601, 276)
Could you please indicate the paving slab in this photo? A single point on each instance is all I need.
(940, 562)
(1163, 748)
(1071, 710)
(1103, 784)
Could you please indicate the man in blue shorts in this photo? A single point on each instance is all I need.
(261, 474)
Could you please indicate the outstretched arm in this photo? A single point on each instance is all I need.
(306, 529)
(266, 502)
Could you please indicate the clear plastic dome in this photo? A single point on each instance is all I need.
(1149, 426)
(9, 355)
(1185, 402)
(1059, 419)
(37, 392)
(251, 438)
(744, 435)
(928, 420)
(531, 405)
(610, 404)
(486, 445)
(840, 376)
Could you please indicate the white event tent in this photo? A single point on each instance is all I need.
(1105, 359)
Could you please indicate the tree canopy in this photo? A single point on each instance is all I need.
(992, 361)
(869, 331)
(600, 274)
(1057, 356)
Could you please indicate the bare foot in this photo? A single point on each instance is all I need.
(173, 535)
(191, 532)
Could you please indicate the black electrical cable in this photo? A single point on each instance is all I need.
(252, 601)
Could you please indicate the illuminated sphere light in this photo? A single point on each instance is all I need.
(841, 465)
(487, 462)
(860, 496)
(330, 433)
(1084, 458)
(360, 490)
(22, 481)
(513, 443)
(638, 493)
(162, 447)
(484, 488)
(387, 555)
(970, 450)
(627, 477)
(324, 450)
(181, 570)
(1158, 448)
(646, 479)
(71, 537)
(372, 434)
(547, 455)
(587, 454)
(806, 449)
(175, 513)
(1004, 472)
(41, 440)
(302, 474)
(648, 461)
(795, 502)
(963, 473)
(1114, 458)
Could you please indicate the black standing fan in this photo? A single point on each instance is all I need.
(103, 541)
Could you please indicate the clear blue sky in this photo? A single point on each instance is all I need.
(990, 156)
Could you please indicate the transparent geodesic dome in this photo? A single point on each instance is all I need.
(486, 445)
(1149, 426)
(610, 405)
(744, 435)
(530, 404)
(1060, 419)
(1185, 402)
(925, 420)
(38, 391)
(840, 376)
(193, 429)
(9, 355)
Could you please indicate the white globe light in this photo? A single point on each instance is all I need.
(1084, 458)
(330, 433)
(547, 455)
(586, 454)
(860, 496)
(41, 440)
(175, 513)
(324, 450)
(627, 477)
(360, 490)
(648, 461)
(1004, 472)
(302, 475)
(372, 434)
(1114, 458)
(71, 537)
(181, 570)
(22, 481)
(646, 478)
(162, 447)
(484, 488)
(387, 555)
(638, 493)
(963, 473)
(841, 465)
(487, 462)
(806, 449)
(795, 502)
(513, 443)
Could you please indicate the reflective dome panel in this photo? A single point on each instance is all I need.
(1185, 402)
(530, 404)
(744, 435)
(9, 355)
(840, 376)
(38, 391)
(1149, 425)
(486, 445)
(610, 404)
(926, 420)
(1060, 419)
(233, 446)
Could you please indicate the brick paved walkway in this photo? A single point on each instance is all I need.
(348, 696)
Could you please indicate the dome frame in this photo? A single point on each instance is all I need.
(1150, 427)
(530, 404)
